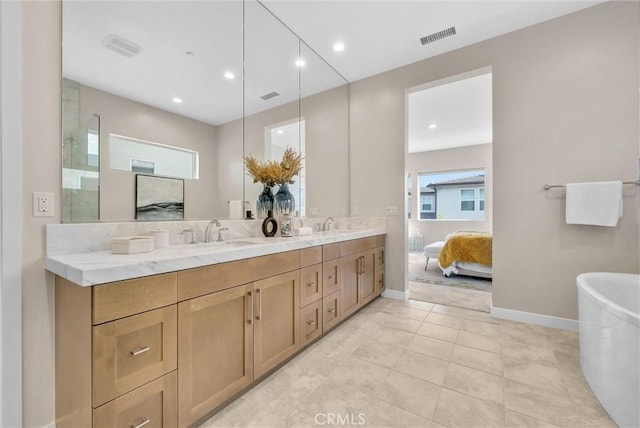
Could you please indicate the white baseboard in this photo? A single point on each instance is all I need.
(395, 294)
(538, 319)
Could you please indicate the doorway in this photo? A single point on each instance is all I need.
(449, 181)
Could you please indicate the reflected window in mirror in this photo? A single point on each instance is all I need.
(277, 138)
(138, 156)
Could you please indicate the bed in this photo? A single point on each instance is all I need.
(463, 253)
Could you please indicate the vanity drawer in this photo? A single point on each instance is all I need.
(331, 277)
(210, 279)
(124, 298)
(330, 252)
(357, 245)
(310, 284)
(310, 256)
(132, 351)
(311, 319)
(330, 311)
(152, 405)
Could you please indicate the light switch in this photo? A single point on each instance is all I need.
(392, 211)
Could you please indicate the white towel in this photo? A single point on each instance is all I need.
(235, 209)
(598, 203)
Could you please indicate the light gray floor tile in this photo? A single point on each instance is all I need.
(432, 347)
(377, 353)
(535, 374)
(380, 414)
(421, 366)
(410, 394)
(477, 359)
(475, 383)
(358, 374)
(479, 341)
(459, 410)
(439, 332)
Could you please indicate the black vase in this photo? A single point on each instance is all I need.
(284, 202)
(269, 225)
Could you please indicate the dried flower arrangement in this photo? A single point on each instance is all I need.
(271, 172)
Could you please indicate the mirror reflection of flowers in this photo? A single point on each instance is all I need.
(271, 172)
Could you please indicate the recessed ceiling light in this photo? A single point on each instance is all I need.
(177, 100)
(300, 62)
(280, 131)
(338, 47)
(189, 53)
(433, 126)
(229, 75)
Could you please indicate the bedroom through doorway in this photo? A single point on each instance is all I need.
(448, 191)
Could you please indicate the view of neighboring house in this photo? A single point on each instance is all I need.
(459, 199)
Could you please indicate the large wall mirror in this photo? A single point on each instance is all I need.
(217, 80)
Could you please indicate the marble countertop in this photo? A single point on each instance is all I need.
(100, 267)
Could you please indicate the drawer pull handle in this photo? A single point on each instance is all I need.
(331, 310)
(250, 300)
(311, 322)
(259, 297)
(309, 284)
(330, 276)
(140, 351)
(142, 423)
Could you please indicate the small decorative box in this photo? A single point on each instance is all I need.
(132, 244)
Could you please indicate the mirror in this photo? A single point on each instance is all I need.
(128, 61)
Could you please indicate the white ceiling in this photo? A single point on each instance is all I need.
(378, 36)
(452, 114)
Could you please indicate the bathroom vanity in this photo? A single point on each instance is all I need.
(171, 348)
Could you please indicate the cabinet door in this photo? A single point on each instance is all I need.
(310, 285)
(215, 350)
(351, 267)
(151, 405)
(367, 276)
(331, 277)
(276, 314)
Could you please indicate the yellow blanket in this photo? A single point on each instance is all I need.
(474, 247)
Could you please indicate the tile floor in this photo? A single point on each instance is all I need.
(419, 364)
(451, 296)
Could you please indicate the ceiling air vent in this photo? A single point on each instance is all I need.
(437, 36)
(269, 95)
(121, 45)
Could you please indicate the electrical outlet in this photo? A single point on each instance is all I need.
(314, 212)
(392, 211)
(42, 204)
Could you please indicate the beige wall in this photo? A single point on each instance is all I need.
(132, 119)
(41, 131)
(565, 108)
(460, 158)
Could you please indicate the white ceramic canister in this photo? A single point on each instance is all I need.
(161, 238)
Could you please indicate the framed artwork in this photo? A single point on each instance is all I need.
(159, 198)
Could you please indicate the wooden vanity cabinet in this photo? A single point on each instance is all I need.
(169, 349)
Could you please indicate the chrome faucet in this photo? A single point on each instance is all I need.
(220, 234)
(194, 238)
(207, 233)
(327, 223)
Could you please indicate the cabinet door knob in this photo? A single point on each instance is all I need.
(139, 351)
(311, 322)
(309, 284)
(143, 422)
(330, 276)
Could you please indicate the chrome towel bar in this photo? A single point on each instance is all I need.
(551, 186)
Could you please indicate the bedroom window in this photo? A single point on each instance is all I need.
(481, 198)
(467, 199)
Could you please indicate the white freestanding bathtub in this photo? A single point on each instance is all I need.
(609, 306)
